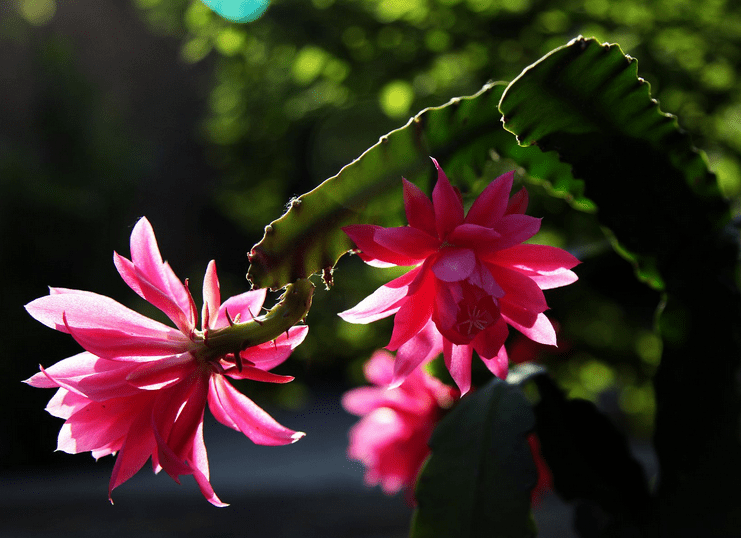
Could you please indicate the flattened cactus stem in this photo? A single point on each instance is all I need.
(292, 307)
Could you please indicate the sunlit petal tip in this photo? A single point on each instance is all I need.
(296, 436)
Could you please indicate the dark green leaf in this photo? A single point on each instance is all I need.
(462, 135)
(478, 479)
(652, 188)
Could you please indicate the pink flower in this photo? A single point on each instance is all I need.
(141, 387)
(391, 438)
(472, 278)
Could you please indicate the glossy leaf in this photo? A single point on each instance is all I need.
(462, 135)
(478, 478)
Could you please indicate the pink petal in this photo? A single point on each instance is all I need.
(475, 237)
(412, 243)
(245, 307)
(105, 325)
(363, 235)
(211, 297)
(537, 258)
(519, 289)
(490, 341)
(383, 302)
(146, 256)
(199, 465)
(153, 294)
(161, 373)
(137, 447)
(491, 204)
(515, 229)
(419, 349)
(234, 409)
(101, 423)
(64, 403)
(458, 361)
(454, 264)
(540, 331)
(518, 202)
(498, 364)
(413, 315)
(379, 369)
(418, 208)
(447, 204)
(89, 376)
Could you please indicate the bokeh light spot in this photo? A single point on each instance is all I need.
(396, 98)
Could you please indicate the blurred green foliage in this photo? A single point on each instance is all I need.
(309, 86)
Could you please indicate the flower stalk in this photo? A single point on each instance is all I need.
(291, 308)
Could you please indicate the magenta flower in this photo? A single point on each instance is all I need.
(391, 438)
(141, 387)
(472, 278)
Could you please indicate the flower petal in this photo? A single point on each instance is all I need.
(106, 326)
(491, 204)
(363, 235)
(518, 202)
(541, 330)
(158, 374)
(234, 409)
(475, 237)
(154, 294)
(414, 314)
(515, 229)
(421, 348)
(415, 244)
(519, 289)
(383, 302)
(447, 204)
(243, 307)
(211, 297)
(458, 361)
(489, 344)
(135, 451)
(418, 208)
(454, 264)
(145, 254)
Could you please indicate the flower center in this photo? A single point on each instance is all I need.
(476, 312)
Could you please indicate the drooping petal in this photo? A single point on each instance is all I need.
(498, 364)
(458, 361)
(135, 451)
(257, 374)
(383, 302)
(541, 330)
(413, 315)
(234, 409)
(199, 464)
(454, 264)
(418, 208)
(447, 204)
(211, 297)
(491, 204)
(421, 348)
(490, 341)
